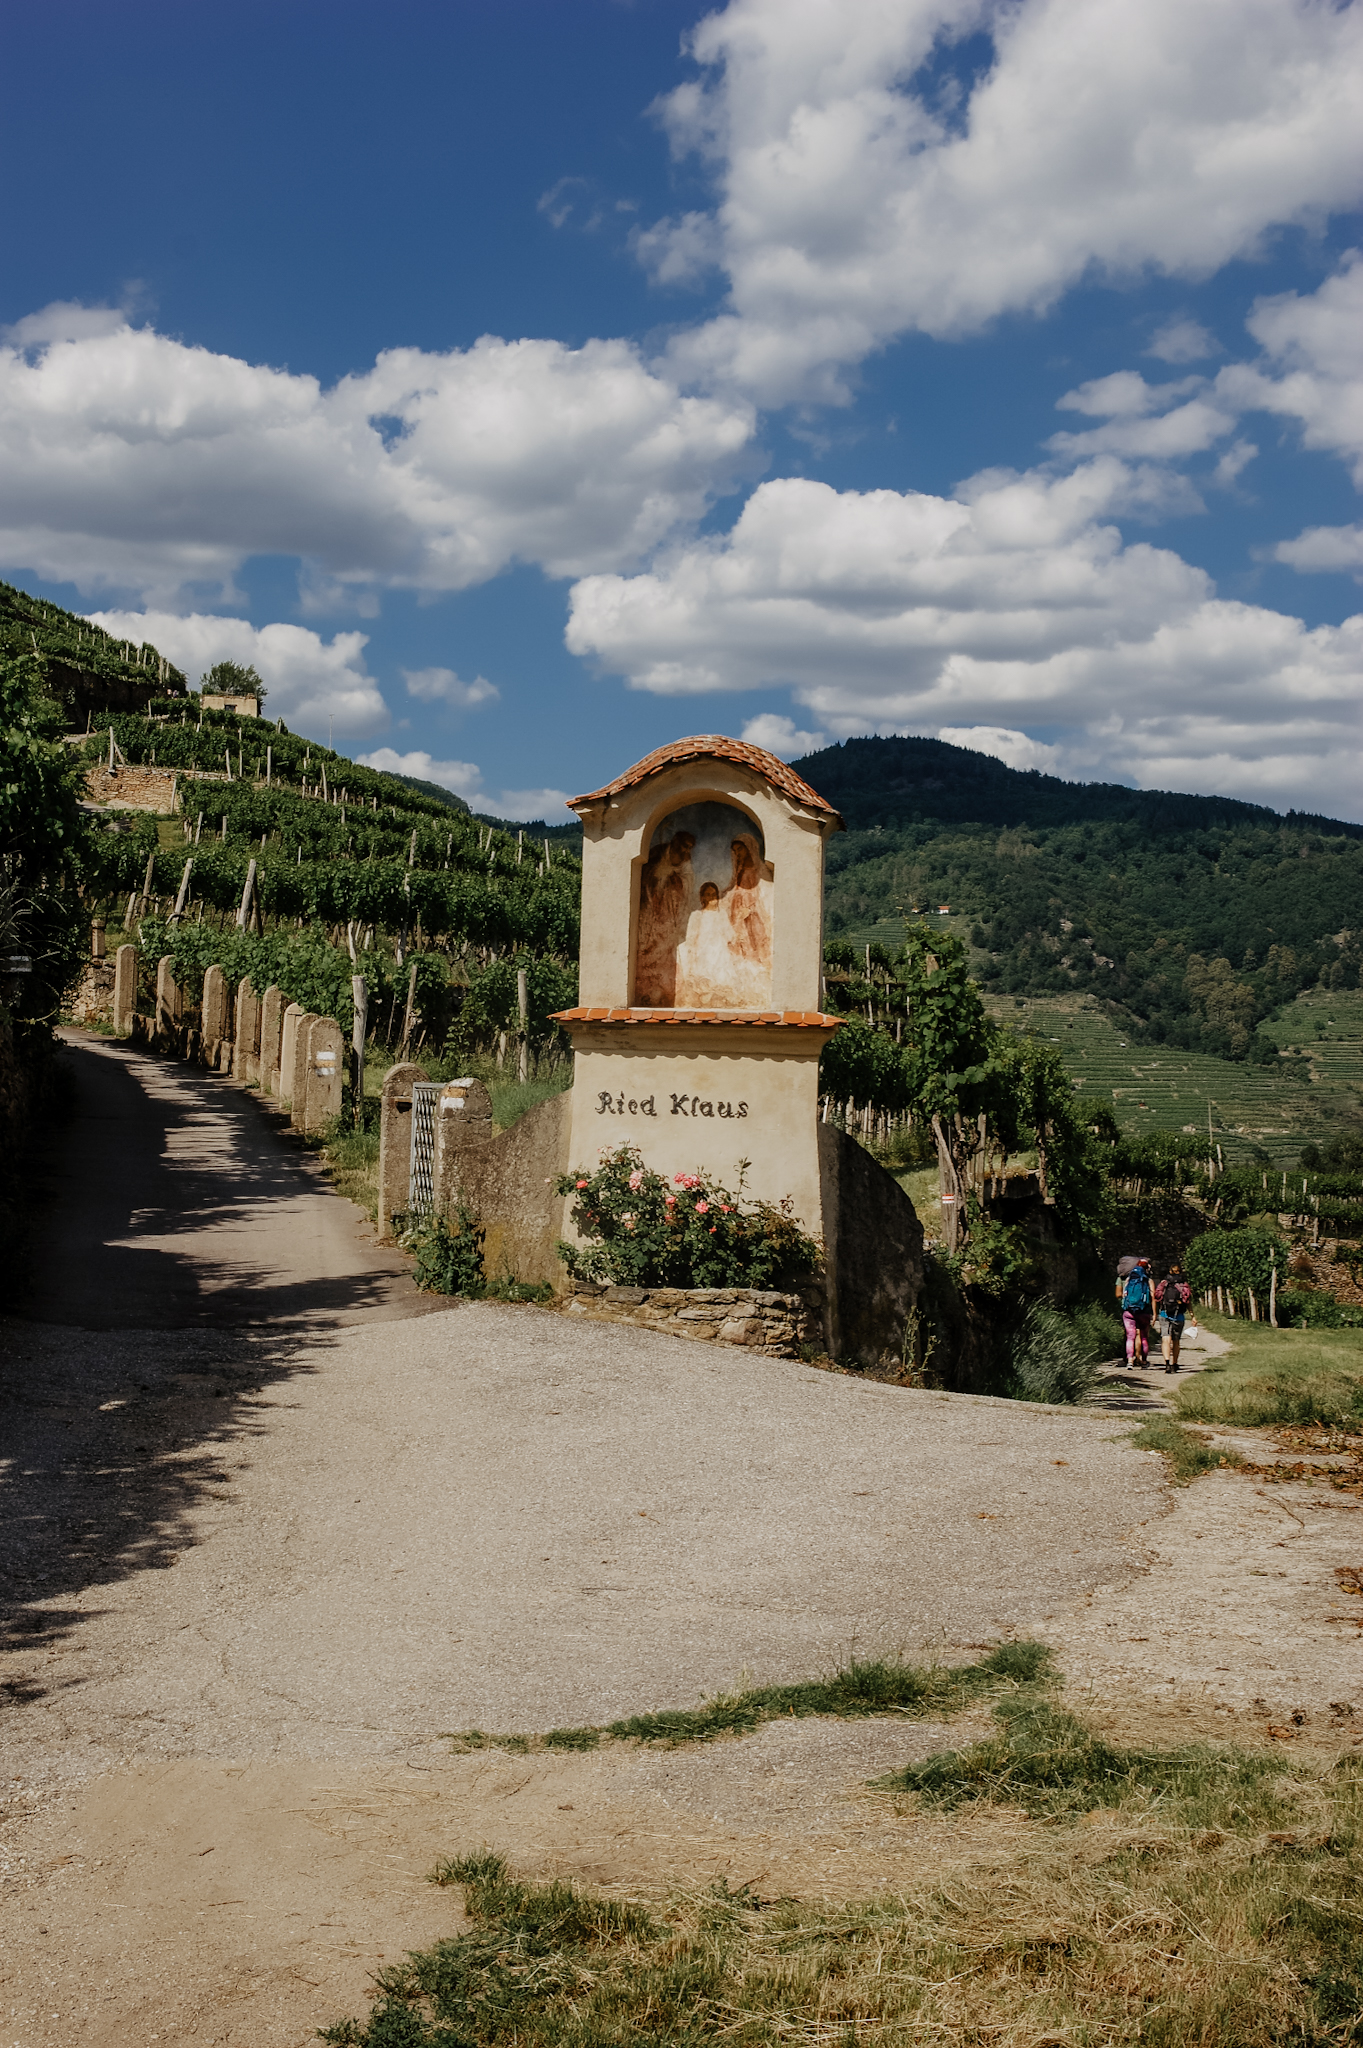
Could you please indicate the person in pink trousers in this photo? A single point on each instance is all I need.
(1137, 1298)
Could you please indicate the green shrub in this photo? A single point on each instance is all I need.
(1301, 1309)
(642, 1231)
(449, 1260)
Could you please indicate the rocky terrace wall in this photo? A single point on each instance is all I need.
(774, 1325)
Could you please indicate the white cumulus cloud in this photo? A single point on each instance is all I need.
(128, 460)
(466, 780)
(1183, 341)
(1016, 748)
(310, 680)
(1323, 548)
(1014, 605)
(780, 735)
(443, 686)
(1313, 366)
(1108, 136)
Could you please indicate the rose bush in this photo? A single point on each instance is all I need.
(641, 1230)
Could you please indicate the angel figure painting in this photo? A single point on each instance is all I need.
(705, 914)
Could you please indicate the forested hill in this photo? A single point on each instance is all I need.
(922, 781)
(1194, 918)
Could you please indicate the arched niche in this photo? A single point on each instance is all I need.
(703, 911)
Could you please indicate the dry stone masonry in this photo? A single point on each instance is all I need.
(776, 1325)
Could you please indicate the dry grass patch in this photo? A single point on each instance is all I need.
(1166, 1897)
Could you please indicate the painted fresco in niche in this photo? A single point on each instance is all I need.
(705, 923)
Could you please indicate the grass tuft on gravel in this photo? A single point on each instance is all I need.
(1189, 1455)
(851, 1694)
(1161, 1897)
(1051, 1763)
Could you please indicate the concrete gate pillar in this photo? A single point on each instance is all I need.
(463, 1128)
(288, 1040)
(246, 1044)
(271, 1024)
(325, 1075)
(125, 989)
(395, 1144)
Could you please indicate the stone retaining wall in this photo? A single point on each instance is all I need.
(774, 1325)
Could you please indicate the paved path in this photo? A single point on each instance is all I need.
(171, 1201)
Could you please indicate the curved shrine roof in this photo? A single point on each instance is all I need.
(714, 746)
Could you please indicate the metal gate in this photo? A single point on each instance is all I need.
(421, 1199)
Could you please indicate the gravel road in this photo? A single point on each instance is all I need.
(272, 1522)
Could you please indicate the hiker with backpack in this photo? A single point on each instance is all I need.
(1138, 1302)
(1173, 1295)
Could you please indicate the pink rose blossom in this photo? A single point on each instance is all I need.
(702, 1208)
(636, 1180)
(582, 1183)
(669, 1201)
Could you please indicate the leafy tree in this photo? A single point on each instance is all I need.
(951, 1065)
(231, 679)
(1071, 1162)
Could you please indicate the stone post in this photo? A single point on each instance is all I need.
(167, 998)
(125, 989)
(214, 1021)
(325, 1075)
(288, 1039)
(271, 1024)
(246, 1045)
(296, 1074)
(395, 1145)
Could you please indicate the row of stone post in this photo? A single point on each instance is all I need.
(264, 1041)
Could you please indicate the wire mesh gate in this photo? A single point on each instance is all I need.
(421, 1200)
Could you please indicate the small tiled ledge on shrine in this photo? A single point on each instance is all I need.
(774, 1325)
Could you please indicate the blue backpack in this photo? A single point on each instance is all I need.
(1136, 1294)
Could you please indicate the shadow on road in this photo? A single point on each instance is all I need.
(171, 1198)
(185, 1258)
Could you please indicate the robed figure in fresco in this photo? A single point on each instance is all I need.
(748, 902)
(667, 896)
(705, 914)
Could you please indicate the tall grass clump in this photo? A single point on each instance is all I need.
(1054, 1357)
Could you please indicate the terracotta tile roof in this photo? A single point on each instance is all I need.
(812, 1020)
(714, 746)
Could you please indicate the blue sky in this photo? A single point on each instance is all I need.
(521, 386)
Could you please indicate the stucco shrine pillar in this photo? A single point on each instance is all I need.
(698, 1030)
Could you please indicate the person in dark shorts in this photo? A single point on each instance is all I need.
(1173, 1296)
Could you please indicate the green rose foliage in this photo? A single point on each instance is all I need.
(643, 1231)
